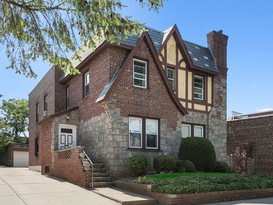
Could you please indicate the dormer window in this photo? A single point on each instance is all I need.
(140, 74)
(198, 87)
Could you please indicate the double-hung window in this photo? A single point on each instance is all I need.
(198, 87)
(67, 98)
(140, 73)
(171, 77)
(45, 105)
(86, 84)
(192, 130)
(37, 112)
(135, 132)
(186, 130)
(143, 133)
(151, 134)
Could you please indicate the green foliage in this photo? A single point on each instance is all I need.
(49, 30)
(14, 117)
(197, 184)
(199, 151)
(164, 163)
(222, 167)
(186, 165)
(138, 165)
(5, 141)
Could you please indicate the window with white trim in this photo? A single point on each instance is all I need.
(140, 73)
(135, 132)
(198, 87)
(198, 131)
(151, 134)
(186, 130)
(86, 84)
(192, 130)
(171, 77)
(143, 133)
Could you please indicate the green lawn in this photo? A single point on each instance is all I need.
(179, 183)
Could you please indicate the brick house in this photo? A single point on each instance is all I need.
(141, 96)
(249, 142)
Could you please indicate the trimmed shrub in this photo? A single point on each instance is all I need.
(199, 151)
(138, 165)
(222, 167)
(185, 166)
(164, 163)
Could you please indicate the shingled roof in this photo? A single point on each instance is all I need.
(201, 56)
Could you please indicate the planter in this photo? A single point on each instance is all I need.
(195, 198)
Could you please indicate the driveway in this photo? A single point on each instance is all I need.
(19, 186)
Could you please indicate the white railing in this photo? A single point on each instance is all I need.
(92, 168)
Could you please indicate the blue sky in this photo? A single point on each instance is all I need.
(250, 47)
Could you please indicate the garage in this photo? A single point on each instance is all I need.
(20, 159)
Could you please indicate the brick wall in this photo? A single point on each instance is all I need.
(45, 153)
(256, 132)
(101, 68)
(151, 102)
(67, 164)
(45, 87)
(195, 198)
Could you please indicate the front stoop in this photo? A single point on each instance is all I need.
(125, 197)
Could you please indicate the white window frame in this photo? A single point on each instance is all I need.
(202, 88)
(189, 129)
(140, 74)
(202, 130)
(171, 80)
(131, 131)
(86, 83)
(146, 131)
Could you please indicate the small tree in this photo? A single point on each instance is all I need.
(199, 151)
(14, 117)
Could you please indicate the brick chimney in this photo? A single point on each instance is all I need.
(217, 42)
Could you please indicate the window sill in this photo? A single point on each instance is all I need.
(143, 150)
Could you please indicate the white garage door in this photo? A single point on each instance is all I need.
(20, 159)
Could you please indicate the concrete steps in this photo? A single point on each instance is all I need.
(101, 177)
(125, 197)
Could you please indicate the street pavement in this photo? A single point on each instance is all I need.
(262, 201)
(19, 186)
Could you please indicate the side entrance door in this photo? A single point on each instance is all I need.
(67, 136)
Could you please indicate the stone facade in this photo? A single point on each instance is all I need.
(105, 138)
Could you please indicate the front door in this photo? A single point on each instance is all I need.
(67, 136)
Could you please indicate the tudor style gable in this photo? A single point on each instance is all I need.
(190, 69)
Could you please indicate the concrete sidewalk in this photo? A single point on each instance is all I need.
(19, 186)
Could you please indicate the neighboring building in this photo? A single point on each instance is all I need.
(250, 142)
(141, 96)
(15, 155)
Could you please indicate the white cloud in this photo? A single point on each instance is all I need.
(265, 110)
